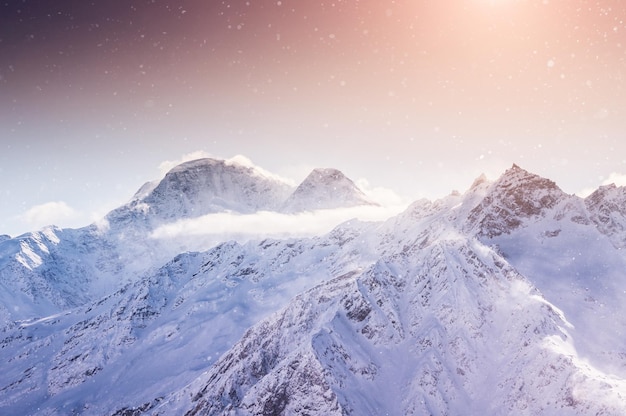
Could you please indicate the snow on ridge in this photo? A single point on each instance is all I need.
(426, 312)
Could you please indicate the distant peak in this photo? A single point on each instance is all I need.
(325, 188)
(327, 176)
(204, 186)
(516, 196)
(518, 176)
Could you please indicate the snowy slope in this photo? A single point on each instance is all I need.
(45, 272)
(430, 334)
(195, 307)
(442, 323)
(507, 299)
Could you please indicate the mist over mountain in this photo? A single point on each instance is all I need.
(507, 299)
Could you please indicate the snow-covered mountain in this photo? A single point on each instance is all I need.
(325, 189)
(205, 186)
(507, 299)
(200, 187)
(53, 269)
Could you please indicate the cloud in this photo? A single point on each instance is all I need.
(208, 229)
(619, 179)
(50, 213)
(585, 192)
(266, 224)
(382, 196)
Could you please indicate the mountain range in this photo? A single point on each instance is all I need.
(509, 298)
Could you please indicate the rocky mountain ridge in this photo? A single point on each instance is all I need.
(507, 299)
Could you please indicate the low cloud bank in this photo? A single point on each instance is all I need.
(271, 224)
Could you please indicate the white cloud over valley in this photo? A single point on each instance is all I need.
(271, 224)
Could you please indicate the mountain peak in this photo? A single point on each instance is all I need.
(518, 177)
(334, 323)
(516, 195)
(325, 188)
(203, 186)
(210, 185)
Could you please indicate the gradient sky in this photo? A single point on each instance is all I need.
(417, 96)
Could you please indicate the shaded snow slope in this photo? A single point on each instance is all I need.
(45, 272)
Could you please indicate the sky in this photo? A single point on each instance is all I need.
(419, 97)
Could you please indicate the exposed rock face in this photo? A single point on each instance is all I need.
(516, 197)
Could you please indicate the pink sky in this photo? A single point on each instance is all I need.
(418, 96)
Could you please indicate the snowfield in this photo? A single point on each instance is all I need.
(507, 299)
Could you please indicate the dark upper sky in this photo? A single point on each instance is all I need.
(419, 96)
